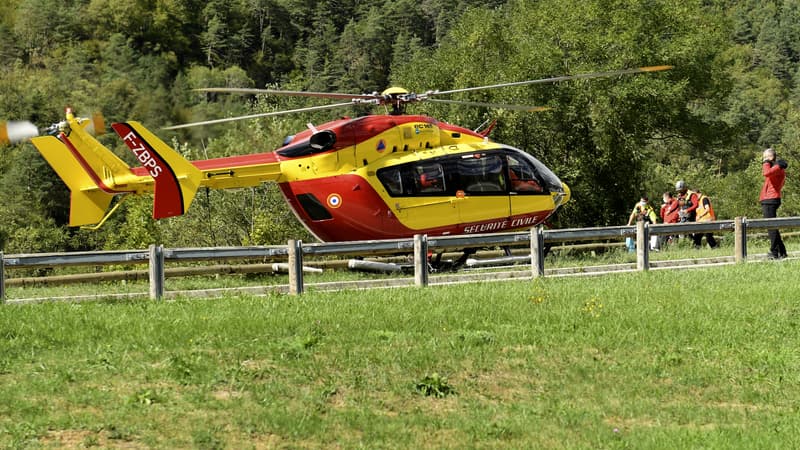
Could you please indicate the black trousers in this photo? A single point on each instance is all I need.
(776, 247)
(697, 239)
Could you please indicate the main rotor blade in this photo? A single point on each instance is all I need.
(333, 95)
(560, 78)
(253, 116)
(17, 131)
(493, 105)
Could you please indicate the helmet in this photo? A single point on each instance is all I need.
(680, 185)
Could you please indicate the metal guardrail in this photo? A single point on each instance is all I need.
(295, 251)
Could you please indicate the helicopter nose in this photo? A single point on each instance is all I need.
(563, 196)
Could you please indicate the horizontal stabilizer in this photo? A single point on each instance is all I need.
(176, 179)
(88, 203)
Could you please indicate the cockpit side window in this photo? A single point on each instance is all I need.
(523, 177)
(546, 178)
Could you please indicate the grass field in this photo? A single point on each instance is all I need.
(662, 359)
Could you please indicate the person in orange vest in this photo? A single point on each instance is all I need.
(774, 172)
(688, 201)
(704, 213)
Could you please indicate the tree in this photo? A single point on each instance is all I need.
(599, 133)
(764, 69)
(734, 88)
(364, 51)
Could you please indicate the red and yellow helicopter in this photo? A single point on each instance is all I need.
(374, 177)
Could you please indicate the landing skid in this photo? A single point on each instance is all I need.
(437, 263)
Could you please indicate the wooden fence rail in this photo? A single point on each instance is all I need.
(294, 252)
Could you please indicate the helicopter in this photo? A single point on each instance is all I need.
(381, 176)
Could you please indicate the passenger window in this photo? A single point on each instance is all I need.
(392, 180)
(414, 179)
(482, 174)
(430, 178)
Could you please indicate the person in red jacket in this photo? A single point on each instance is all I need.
(774, 171)
(688, 208)
(669, 212)
(688, 201)
(669, 208)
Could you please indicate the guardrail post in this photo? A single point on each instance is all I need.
(295, 267)
(642, 245)
(157, 272)
(2, 279)
(421, 260)
(537, 251)
(740, 239)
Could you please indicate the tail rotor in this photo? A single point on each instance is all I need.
(17, 131)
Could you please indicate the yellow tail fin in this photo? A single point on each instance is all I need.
(94, 174)
(112, 173)
(88, 202)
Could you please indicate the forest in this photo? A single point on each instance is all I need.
(734, 90)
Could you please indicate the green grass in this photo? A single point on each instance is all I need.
(662, 359)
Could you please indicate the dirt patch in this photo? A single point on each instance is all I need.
(84, 439)
(226, 394)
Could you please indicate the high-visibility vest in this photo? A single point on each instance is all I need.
(646, 213)
(705, 214)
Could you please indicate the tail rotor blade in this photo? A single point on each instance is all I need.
(97, 125)
(17, 131)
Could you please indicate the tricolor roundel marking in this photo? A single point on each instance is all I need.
(334, 200)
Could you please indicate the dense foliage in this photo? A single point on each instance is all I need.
(734, 90)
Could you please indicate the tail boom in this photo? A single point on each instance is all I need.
(95, 175)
